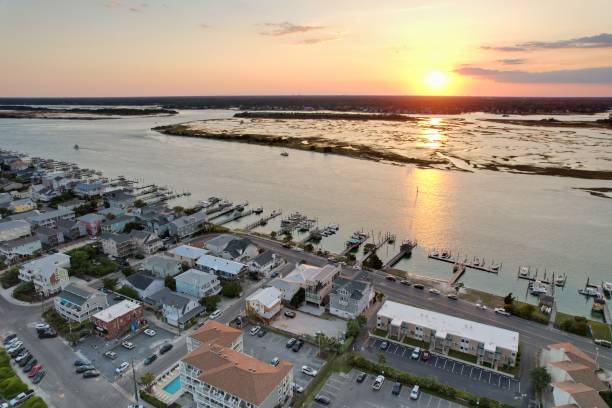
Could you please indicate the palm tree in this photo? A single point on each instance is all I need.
(147, 380)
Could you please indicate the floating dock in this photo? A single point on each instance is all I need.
(351, 247)
(476, 264)
(226, 210)
(264, 220)
(458, 271)
(236, 216)
(388, 237)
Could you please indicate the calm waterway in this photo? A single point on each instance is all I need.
(515, 219)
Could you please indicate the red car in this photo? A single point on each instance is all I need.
(35, 370)
(425, 355)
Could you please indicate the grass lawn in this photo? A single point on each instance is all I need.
(600, 330)
(396, 272)
(416, 343)
(380, 332)
(462, 356)
(488, 299)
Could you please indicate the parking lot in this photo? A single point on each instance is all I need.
(274, 345)
(476, 380)
(345, 392)
(305, 324)
(93, 348)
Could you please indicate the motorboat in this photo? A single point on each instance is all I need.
(538, 288)
(607, 288)
(76, 147)
(524, 272)
(589, 291)
(284, 154)
(560, 280)
(258, 210)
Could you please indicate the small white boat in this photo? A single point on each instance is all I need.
(560, 280)
(589, 291)
(524, 272)
(284, 154)
(538, 288)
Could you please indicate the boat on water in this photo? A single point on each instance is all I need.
(607, 288)
(589, 291)
(284, 154)
(599, 303)
(560, 280)
(76, 147)
(524, 272)
(496, 267)
(258, 210)
(537, 288)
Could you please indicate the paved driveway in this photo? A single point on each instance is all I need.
(94, 347)
(476, 380)
(304, 323)
(274, 345)
(345, 392)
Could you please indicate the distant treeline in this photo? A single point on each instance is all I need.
(94, 111)
(367, 104)
(325, 115)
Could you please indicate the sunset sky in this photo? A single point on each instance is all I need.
(240, 47)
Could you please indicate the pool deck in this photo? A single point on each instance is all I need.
(162, 381)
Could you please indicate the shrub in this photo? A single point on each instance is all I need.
(25, 291)
(10, 278)
(210, 303)
(11, 387)
(170, 283)
(231, 289)
(34, 402)
(576, 324)
(129, 292)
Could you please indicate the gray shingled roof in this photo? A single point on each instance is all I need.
(140, 280)
(355, 288)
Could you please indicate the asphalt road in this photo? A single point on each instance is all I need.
(61, 387)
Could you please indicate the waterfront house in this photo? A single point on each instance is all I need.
(79, 302)
(10, 230)
(144, 283)
(317, 282)
(177, 309)
(349, 298)
(216, 375)
(188, 225)
(490, 345)
(263, 264)
(119, 199)
(229, 247)
(161, 266)
(187, 254)
(223, 268)
(20, 247)
(92, 223)
(70, 204)
(88, 190)
(118, 319)
(41, 193)
(197, 283)
(146, 243)
(117, 245)
(264, 303)
(49, 219)
(49, 274)
(288, 289)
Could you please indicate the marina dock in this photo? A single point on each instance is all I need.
(351, 246)
(264, 220)
(386, 238)
(226, 210)
(236, 216)
(446, 256)
(405, 251)
(458, 271)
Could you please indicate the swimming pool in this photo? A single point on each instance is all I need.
(173, 386)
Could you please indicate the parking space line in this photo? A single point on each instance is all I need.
(445, 361)
(429, 402)
(405, 349)
(462, 367)
(490, 373)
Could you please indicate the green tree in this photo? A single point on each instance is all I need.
(308, 247)
(132, 226)
(127, 271)
(231, 289)
(382, 360)
(540, 378)
(210, 303)
(129, 292)
(10, 278)
(273, 235)
(298, 298)
(170, 283)
(139, 203)
(147, 380)
(352, 328)
(373, 262)
(109, 283)
(178, 209)
(508, 299)
(288, 237)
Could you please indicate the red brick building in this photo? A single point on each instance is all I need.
(118, 319)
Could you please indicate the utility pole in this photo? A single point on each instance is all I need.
(135, 385)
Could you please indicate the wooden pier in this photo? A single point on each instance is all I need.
(388, 237)
(263, 220)
(472, 265)
(405, 250)
(354, 246)
(226, 210)
(532, 277)
(235, 217)
(458, 271)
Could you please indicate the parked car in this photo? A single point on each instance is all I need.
(16, 351)
(8, 338)
(298, 388)
(289, 313)
(78, 363)
(262, 333)
(452, 296)
(38, 377)
(275, 361)
(118, 298)
(28, 367)
(361, 377)
(298, 345)
(150, 332)
(378, 382)
(25, 361)
(414, 393)
(22, 356)
(397, 388)
(91, 374)
(42, 326)
(254, 330)
(390, 278)
(110, 354)
(83, 368)
(322, 399)
(309, 371)
(165, 348)
(14, 346)
(434, 291)
(21, 397)
(384, 345)
(47, 334)
(122, 367)
(416, 353)
(128, 345)
(150, 359)
(481, 306)
(501, 311)
(405, 282)
(35, 370)
(215, 314)
(425, 355)
(418, 286)
(291, 342)
(603, 343)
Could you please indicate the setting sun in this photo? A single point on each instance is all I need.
(436, 80)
